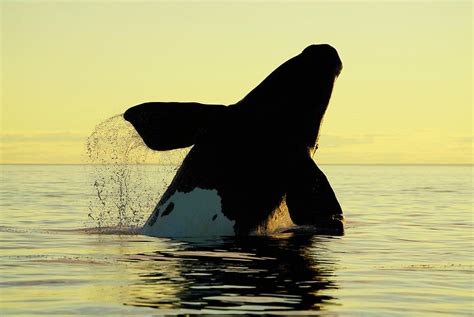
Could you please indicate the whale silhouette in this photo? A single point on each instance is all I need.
(250, 170)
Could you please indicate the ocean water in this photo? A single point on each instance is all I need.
(407, 250)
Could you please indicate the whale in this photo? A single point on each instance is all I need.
(250, 169)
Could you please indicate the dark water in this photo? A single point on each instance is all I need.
(408, 249)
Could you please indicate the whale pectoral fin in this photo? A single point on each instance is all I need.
(312, 201)
(172, 125)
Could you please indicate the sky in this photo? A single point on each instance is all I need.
(403, 97)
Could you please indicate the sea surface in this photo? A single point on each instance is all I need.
(67, 248)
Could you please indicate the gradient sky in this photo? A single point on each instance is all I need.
(404, 96)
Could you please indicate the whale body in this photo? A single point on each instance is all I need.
(250, 170)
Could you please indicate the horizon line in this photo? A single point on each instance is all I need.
(340, 164)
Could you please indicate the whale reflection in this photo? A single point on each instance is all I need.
(238, 274)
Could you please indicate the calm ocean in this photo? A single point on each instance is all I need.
(407, 251)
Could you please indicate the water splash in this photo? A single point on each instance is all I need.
(128, 178)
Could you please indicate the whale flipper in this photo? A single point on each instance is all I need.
(311, 199)
(172, 125)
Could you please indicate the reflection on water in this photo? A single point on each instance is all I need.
(236, 274)
(70, 272)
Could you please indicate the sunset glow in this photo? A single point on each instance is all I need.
(403, 97)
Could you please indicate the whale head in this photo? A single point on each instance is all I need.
(305, 80)
(323, 57)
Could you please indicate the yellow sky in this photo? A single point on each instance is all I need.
(404, 96)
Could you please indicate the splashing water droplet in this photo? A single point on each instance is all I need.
(128, 178)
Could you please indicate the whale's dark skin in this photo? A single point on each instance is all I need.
(258, 152)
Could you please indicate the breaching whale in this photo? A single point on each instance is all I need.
(250, 170)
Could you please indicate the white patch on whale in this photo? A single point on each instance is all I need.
(187, 214)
